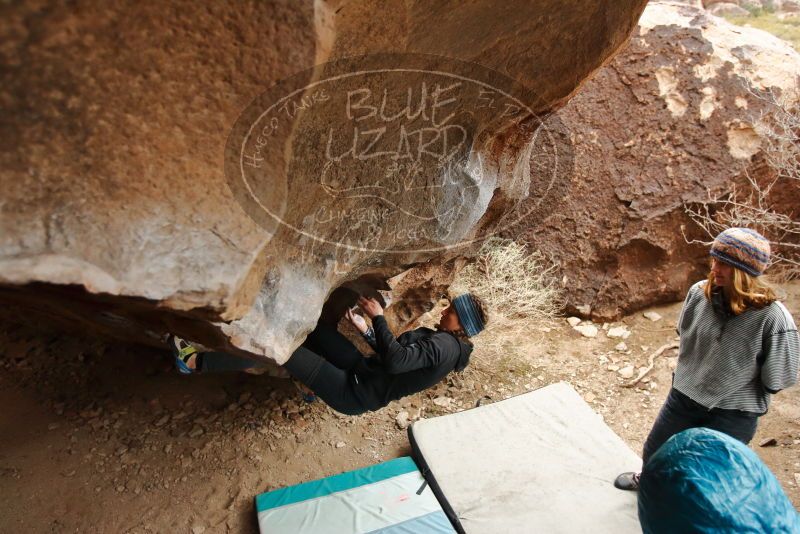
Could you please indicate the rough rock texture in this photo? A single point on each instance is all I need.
(116, 210)
(786, 6)
(668, 119)
(727, 9)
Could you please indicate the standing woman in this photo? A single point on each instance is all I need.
(738, 346)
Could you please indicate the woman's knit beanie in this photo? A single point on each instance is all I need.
(743, 248)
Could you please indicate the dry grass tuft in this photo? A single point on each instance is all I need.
(521, 291)
(514, 282)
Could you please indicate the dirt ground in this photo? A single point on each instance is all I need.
(102, 438)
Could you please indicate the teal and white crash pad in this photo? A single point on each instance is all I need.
(388, 498)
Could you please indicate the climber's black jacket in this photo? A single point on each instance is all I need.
(408, 364)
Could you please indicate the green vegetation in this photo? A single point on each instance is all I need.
(787, 29)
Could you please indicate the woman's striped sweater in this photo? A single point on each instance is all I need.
(735, 361)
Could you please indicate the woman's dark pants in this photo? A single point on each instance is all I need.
(680, 413)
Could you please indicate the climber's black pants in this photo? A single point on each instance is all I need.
(325, 363)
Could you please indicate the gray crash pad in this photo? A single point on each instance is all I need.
(539, 462)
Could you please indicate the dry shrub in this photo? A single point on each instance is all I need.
(520, 289)
(514, 282)
(754, 205)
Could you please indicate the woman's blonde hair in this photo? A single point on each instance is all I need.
(746, 291)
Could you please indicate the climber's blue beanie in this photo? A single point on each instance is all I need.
(468, 314)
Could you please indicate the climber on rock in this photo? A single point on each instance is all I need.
(351, 383)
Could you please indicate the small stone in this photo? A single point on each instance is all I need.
(618, 331)
(402, 420)
(768, 442)
(162, 420)
(584, 309)
(797, 478)
(613, 367)
(120, 489)
(589, 397)
(621, 347)
(52, 426)
(586, 330)
(545, 329)
(168, 448)
(573, 321)
(197, 529)
(444, 402)
(196, 432)
(653, 316)
(626, 372)
(340, 444)
(244, 397)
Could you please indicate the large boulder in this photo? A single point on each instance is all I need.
(121, 120)
(728, 9)
(787, 6)
(669, 120)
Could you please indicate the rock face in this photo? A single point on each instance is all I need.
(666, 120)
(785, 6)
(727, 9)
(120, 123)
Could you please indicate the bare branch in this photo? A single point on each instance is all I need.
(753, 206)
